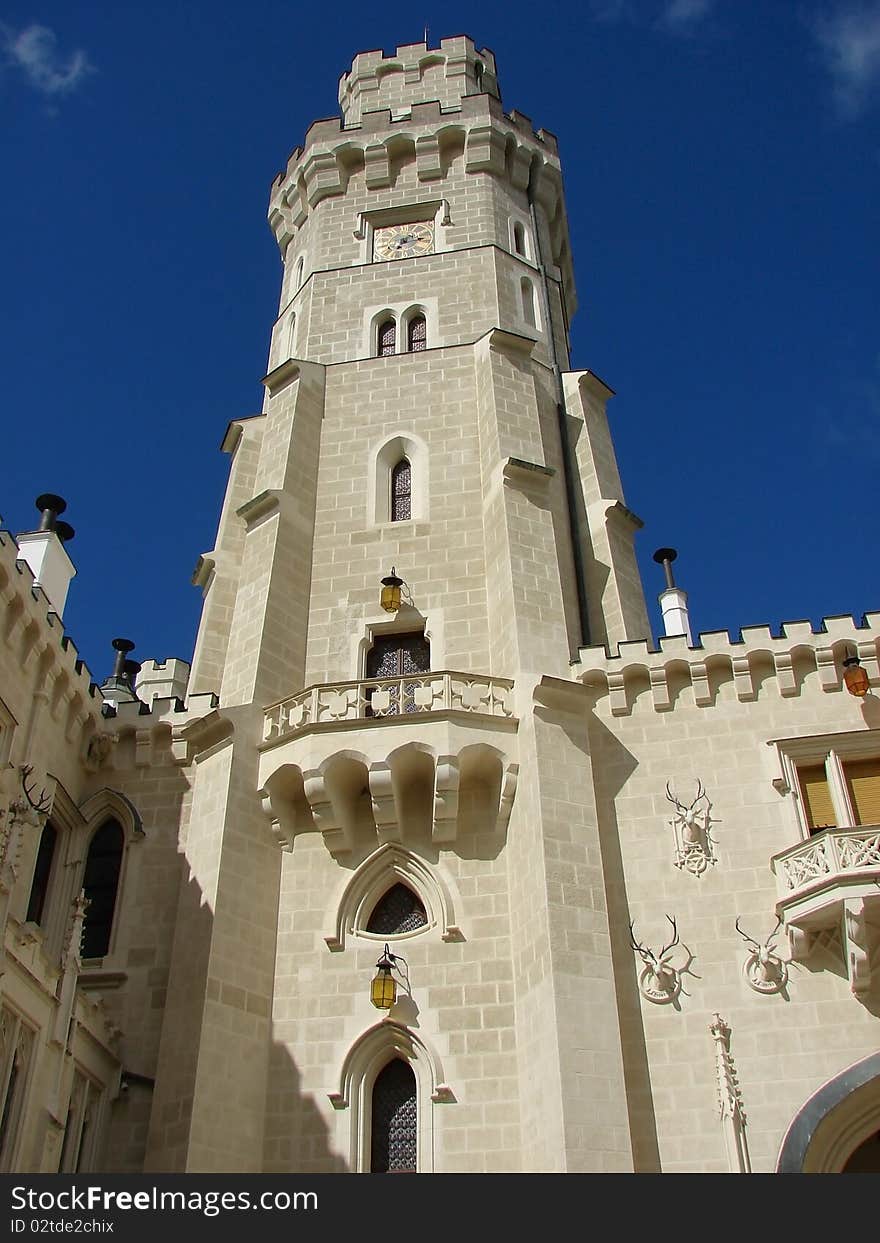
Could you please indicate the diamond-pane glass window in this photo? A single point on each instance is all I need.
(398, 910)
(393, 1146)
(393, 656)
(100, 883)
(401, 491)
(417, 334)
(386, 338)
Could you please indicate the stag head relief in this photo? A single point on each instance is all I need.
(691, 825)
(764, 970)
(659, 979)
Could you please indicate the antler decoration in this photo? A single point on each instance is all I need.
(659, 981)
(44, 802)
(764, 970)
(691, 825)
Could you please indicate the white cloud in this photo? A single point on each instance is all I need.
(850, 40)
(34, 51)
(680, 13)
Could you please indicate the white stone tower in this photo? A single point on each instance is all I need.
(419, 414)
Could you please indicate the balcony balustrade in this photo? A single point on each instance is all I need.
(383, 699)
(833, 881)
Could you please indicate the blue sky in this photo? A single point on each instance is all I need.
(722, 160)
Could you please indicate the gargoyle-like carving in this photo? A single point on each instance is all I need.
(694, 845)
(659, 980)
(764, 970)
(97, 751)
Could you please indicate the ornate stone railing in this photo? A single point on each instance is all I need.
(414, 694)
(828, 855)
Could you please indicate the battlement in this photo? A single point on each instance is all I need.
(416, 74)
(32, 622)
(788, 658)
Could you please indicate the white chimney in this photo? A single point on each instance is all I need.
(43, 550)
(673, 601)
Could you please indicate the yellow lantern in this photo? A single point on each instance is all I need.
(854, 677)
(390, 598)
(383, 986)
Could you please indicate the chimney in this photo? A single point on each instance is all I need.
(673, 601)
(43, 550)
(119, 687)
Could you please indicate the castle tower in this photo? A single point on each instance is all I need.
(419, 417)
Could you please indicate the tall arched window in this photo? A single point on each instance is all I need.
(519, 239)
(416, 334)
(100, 882)
(386, 338)
(393, 1147)
(401, 491)
(299, 273)
(42, 874)
(528, 302)
(398, 910)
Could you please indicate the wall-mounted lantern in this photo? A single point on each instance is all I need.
(383, 986)
(854, 677)
(390, 598)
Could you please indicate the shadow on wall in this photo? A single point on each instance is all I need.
(617, 764)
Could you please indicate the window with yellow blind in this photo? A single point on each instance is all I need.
(834, 778)
(816, 797)
(863, 786)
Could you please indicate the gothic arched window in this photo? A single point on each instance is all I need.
(416, 334)
(386, 338)
(100, 882)
(398, 910)
(401, 491)
(393, 1147)
(42, 873)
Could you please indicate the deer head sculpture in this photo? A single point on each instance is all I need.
(659, 981)
(764, 970)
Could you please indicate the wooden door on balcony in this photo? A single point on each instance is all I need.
(395, 656)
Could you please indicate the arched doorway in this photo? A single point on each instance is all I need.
(837, 1129)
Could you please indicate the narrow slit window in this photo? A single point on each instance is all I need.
(393, 1147)
(417, 334)
(386, 338)
(519, 239)
(527, 293)
(401, 491)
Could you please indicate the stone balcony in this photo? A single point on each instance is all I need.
(385, 759)
(333, 704)
(832, 881)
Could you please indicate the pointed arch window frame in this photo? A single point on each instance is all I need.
(352, 1099)
(103, 806)
(389, 865)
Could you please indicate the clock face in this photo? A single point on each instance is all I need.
(403, 241)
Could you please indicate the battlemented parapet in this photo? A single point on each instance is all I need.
(414, 73)
(787, 659)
